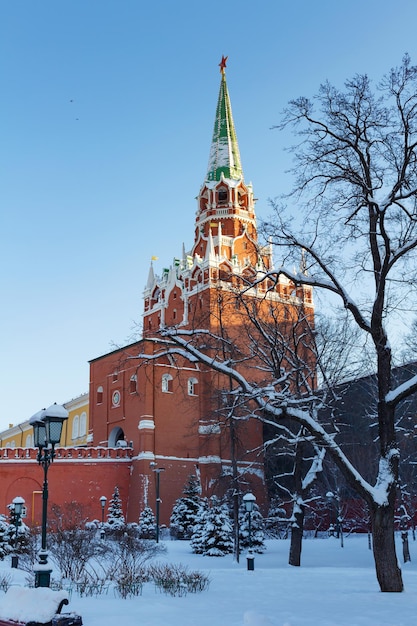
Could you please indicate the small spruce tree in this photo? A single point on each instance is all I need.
(257, 528)
(115, 518)
(5, 547)
(276, 524)
(186, 510)
(216, 530)
(196, 543)
(147, 524)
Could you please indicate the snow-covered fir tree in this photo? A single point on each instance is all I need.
(115, 517)
(213, 531)
(147, 524)
(5, 547)
(256, 541)
(186, 510)
(199, 528)
(21, 545)
(276, 524)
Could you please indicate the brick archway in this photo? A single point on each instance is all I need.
(116, 434)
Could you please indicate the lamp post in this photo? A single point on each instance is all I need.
(330, 496)
(16, 512)
(103, 501)
(249, 502)
(47, 428)
(157, 471)
(334, 502)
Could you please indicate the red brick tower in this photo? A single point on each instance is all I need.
(172, 411)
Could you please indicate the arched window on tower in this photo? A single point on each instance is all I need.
(99, 394)
(222, 195)
(192, 386)
(166, 383)
(242, 199)
(133, 384)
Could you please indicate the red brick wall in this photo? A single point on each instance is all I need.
(82, 479)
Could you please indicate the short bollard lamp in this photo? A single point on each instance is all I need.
(154, 467)
(103, 501)
(17, 509)
(47, 428)
(249, 502)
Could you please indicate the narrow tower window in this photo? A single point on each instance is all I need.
(166, 383)
(192, 386)
(222, 195)
(133, 383)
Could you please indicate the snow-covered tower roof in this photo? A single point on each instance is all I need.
(224, 152)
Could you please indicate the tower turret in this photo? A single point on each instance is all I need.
(225, 248)
(225, 203)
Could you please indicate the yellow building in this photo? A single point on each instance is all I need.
(74, 433)
(19, 436)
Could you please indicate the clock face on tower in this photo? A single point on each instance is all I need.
(115, 398)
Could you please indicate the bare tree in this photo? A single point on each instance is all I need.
(356, 183)
(356, 178)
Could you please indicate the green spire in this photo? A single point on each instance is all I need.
(224, 153)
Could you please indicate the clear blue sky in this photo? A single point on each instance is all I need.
(107, 112)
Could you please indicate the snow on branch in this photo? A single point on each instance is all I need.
(402, 391)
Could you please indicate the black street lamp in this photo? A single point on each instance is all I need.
(103, 501)
(16, 512)
(157, 471)
(334, 502)
(249, 502)
(47, 428)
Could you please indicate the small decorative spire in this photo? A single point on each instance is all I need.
(151, 277)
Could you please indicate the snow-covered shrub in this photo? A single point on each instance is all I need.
(128, 570)
(176, 580)
(72, 550)
(5, 581)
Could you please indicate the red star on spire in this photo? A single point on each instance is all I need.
(222, 64)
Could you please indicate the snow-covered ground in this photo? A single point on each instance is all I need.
(334, 587)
